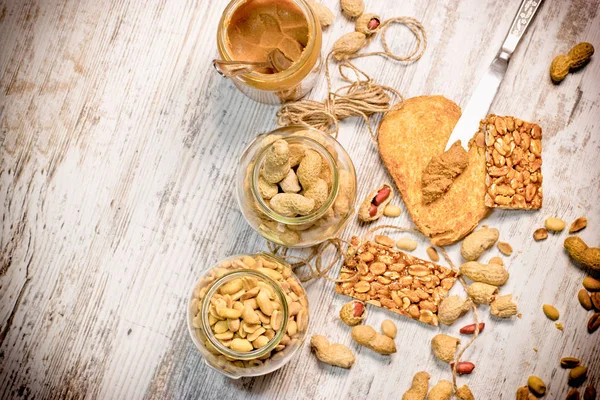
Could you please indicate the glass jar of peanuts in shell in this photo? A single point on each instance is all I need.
(296, 186)
(284, 35)
(248, 315)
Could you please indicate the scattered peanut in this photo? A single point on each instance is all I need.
(482, 293)
(551, 312)
(594, 323)
(373, 206)
(335, 354)
(323, 13)
(577, 57)
(406, 244)
(505, 248)
(540, 234)
(572, 395)
(569, 362)
(477, 242)
(555, 224)
(348, 44)
(419, 387)
(470, 329)
(389, 328)
(496, 260)
(441, 391)
(536, 385)
(503, 307)
(577, 375)
(523, 393)
(591, 284)
(463, 367)
(392, 211)
(451, 308)
(595, 297)
(353, 313)
(352, 8)
(584, 299)
(589, 393)
(580, 252)
(368, 337)
(384, 240)
(492, 274)
(433, 254)
(444, 347)
(367, 23)
(578, 224)
(464, 393)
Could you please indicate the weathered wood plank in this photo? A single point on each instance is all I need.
(119, 152)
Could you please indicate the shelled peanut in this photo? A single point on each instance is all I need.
(373, 206)
(245, 313)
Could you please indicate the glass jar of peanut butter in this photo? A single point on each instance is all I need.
(284, 33)
(296, 186)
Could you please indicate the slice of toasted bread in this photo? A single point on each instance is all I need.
(409, 137)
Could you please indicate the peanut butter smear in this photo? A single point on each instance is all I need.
(441, 172)
(258, 27)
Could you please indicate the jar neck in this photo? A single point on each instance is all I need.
(257, 353)
(284, 79)
(318, 213)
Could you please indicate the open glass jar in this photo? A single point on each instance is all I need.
(250, 30)
(248, 315)
(296, 186)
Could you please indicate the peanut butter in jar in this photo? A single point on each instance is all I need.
(284, 32)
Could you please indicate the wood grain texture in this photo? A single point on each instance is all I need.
(119, 146)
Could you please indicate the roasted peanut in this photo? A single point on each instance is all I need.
(368, 337)
(540, 234)
(277, 162)
(389, 328)
(577, 375)
(470, 329)
(464, 393)
(477, 242)
(291, 204)
(451, 308)
(505, 248)
(353, 313)
(433, 254)
(569, 362)
(555, 224)
(536, 385)
(406, 244)
(589, 393)
(503, 307)
(580, 252)
(591, 284)
(551, 312)
(348, 44)
(593, 323)
(492, 274)
(419, 387)
(392, 211)
(444, 347)
(441, 391)
(335, 354)
(577, 225)
(463, 367)
(482, 293)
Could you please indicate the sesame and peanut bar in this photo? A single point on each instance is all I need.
(404, 284)
(513, 158)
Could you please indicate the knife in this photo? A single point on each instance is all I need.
(484, 94)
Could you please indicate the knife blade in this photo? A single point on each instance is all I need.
(485, 92)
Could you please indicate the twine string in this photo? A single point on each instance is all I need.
(362, 97)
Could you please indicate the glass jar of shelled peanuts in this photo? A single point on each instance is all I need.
(296, 186)
(248, 315)
(283, 34)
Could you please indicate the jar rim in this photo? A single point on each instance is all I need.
(304, 218)
(255, 77)
(226, 351)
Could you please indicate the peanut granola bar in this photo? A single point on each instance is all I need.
(395, 280)
(513, 158)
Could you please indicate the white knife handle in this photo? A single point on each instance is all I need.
(519, 26)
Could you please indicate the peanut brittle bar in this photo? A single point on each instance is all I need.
(513, 158)
(395, 280)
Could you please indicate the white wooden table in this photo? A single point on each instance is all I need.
(119, 149)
